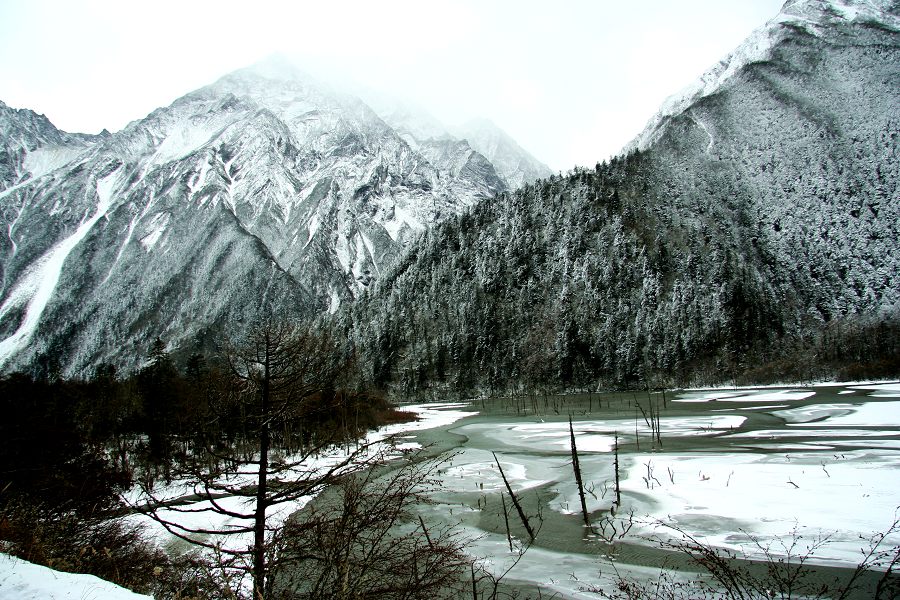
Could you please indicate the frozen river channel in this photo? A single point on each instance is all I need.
(751, 470)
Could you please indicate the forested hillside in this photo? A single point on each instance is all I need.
(755, 238)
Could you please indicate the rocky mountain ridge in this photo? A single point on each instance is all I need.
(262, 192)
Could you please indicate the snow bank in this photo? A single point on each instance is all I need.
(22, 580)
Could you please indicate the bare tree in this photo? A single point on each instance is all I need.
(274, 373)
(361, 539)
(576, 467)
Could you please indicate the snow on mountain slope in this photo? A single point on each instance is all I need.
(264, 191)
(37, 287)
(758, 227)
(516, 165)
(31, 146)
(806, 130)
(812, 16)
(513, 164)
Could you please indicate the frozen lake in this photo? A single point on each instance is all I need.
(746, 470)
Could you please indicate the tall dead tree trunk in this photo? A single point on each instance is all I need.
(506, 520)
(515, 500)
(616, 455)
(577, 468)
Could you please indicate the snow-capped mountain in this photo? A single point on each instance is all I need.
(817, 18)
(513, 164)
(754, 223)
(265, 191)
(32, 146)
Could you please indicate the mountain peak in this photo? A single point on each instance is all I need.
(813, 16)
(277, 67)
(850, 10)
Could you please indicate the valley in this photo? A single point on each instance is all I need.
(209, 317)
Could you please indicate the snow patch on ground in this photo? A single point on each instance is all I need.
(183, 141)
(369, 248)
(402, 219)
(335, 302)
(312, 228)
(342, 251)
(22, 580)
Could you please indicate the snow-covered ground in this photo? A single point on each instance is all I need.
(22, 580)
(386, 442)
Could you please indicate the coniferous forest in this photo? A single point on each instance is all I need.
(629, 275)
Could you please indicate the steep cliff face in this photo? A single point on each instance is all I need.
(755, 219)
(263, 192)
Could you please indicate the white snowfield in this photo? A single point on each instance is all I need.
(22, 580)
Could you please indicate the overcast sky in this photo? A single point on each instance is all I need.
(572, 81)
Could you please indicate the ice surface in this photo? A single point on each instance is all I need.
(874, 414)
(745, 396)
(772, 434)
(882, 390)
(725, 498)
(476, 471)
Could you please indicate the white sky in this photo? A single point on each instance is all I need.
(571, 81)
